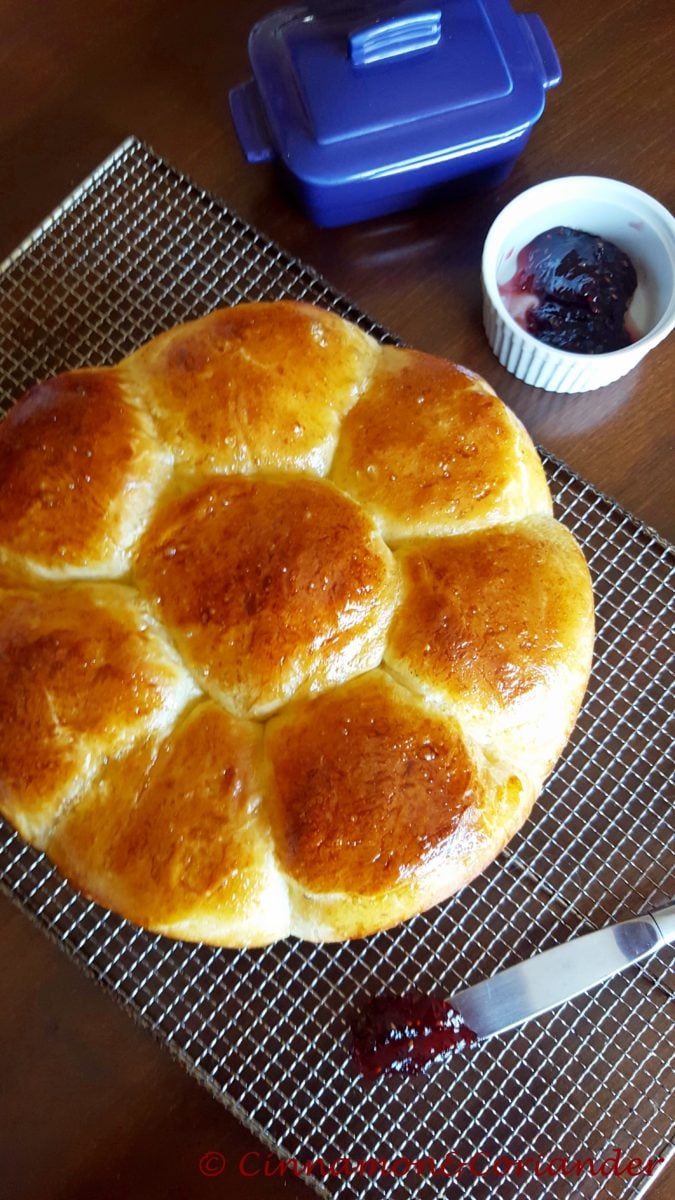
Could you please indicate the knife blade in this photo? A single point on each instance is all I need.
(554, 976)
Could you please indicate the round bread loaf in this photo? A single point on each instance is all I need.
(289, 636)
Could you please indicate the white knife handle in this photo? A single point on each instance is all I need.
(664, 919)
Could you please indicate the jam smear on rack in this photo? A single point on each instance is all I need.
(571, 290)
(404, 1035)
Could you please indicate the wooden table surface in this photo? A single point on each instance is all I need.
(91, 1105)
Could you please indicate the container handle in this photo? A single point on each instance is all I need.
(395, 37)
(545, 51)
(249, 122)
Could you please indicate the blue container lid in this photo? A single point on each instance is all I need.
(353, 90)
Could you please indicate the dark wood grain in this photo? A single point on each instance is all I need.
(90, 1104)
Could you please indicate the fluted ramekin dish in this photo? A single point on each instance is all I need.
(608, 208)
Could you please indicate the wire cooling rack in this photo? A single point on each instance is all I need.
(138, 248)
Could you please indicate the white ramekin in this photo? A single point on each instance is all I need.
(636, 222)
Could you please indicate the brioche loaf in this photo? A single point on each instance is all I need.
(289, 637)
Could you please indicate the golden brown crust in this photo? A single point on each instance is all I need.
(421, 691)
(80, 470)
(430, 449)
(271, 587)
(373, 796)
(259, 386)
(171, 835)
(83, 672)
(496, 626)
(368, 787)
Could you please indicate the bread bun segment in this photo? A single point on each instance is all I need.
(289, 636)
(256, 387)
(496, 629)
(173, 836)
(80, 469)
(84, 672)
(270, 586)
(430, 450)
(377, 805)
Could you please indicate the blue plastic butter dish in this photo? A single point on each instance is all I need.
(374, 107)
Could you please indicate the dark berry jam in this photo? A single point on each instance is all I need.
(571, 290)
(404, 1035)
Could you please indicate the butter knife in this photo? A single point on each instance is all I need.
(405, 1034)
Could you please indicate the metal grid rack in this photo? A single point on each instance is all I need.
(138, 248)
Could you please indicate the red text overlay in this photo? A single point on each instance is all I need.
(257, 1163)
